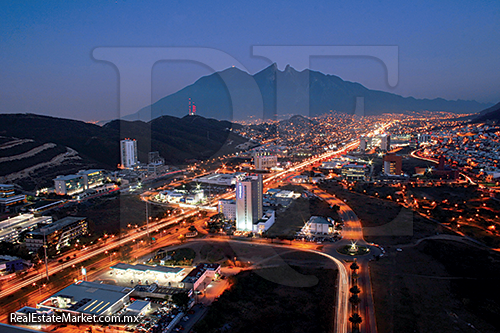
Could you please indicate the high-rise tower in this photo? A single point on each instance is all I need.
(248, 202)
(128, 153)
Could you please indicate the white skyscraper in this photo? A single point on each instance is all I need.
(128, 152)
(248, 202)
(385, 142)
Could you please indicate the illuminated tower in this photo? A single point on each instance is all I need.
(248, 202)
(191, 108)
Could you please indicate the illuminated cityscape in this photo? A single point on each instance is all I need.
(341, 174)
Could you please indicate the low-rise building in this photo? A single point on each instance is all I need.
(91, 298)
(138, 308)
(10, 264)
(354, 172)
(12, 228)
(265, 222)
(264, 161)
(83, 180)
(28, 311)
(318, 225)
(156, 291)
(177, 196)
(223, 179)
(8, 196)
(200, 277)
(57, 234)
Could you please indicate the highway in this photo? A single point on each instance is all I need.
(93, 251)
(414, 155)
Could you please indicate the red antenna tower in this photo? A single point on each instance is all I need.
(189, 107)
(193, 110)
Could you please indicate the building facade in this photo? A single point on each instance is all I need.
(264, 161)
(354, 172)
(8, 196)
(228, 208)
(393, 164)
(57, 234)
(385, 142)
(11, 228)
(83, 180)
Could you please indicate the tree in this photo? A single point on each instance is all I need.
(355, 290)
(354, 266)
(355, 319)
(181, 300)
(355, 300)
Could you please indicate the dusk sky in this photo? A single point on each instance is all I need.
(447, 49)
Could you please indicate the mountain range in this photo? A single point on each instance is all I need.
(233, 94)
(34, 149)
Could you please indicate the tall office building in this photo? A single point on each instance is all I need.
(128, 152)
(248, 202)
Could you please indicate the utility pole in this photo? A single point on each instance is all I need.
(45, 251)
(147, 220)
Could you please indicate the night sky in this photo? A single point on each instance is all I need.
(447, 49)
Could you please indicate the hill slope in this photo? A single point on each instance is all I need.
(490, 114)
(34, 149)
(234, 94)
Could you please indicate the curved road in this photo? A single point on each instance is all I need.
(342, 305)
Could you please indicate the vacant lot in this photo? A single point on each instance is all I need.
(113, 213)
(438, 286)
(255, 304)
(374, 212)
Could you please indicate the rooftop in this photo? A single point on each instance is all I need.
(87, 297)
(320, 220)
(138, 305)
(198, 271)
(58, 225)
(68, 177)
(148, 268)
